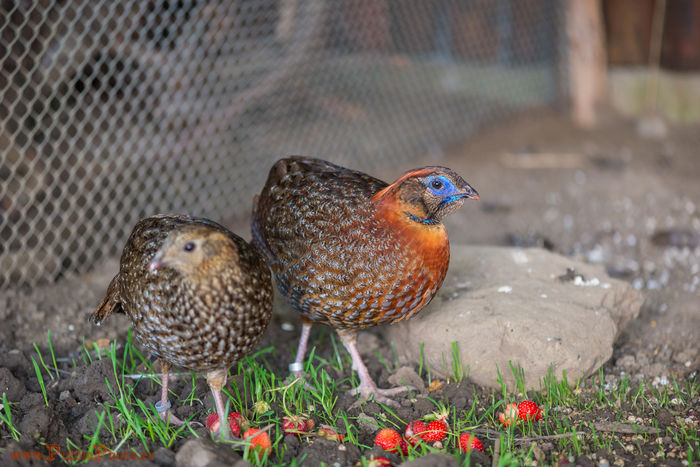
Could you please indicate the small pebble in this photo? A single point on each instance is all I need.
(578, 280)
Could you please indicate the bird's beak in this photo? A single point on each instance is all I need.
(469, 192)
(156, 263)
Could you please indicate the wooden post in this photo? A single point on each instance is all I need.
(586, 59)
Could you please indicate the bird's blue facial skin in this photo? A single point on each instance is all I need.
(449, 199)
(441, 186)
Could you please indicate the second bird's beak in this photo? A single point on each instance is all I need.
(156, 263)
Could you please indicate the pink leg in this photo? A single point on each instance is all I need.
(216, 380)
(297, 368)
(367, 386)
(163, 407)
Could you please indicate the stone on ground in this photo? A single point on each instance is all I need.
(502, 305)
(205, 453)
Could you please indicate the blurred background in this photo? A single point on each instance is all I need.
(114, 110)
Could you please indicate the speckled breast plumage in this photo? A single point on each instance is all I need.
(334, 254)
(199, 326)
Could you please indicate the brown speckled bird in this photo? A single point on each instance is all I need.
(198, 297)
(350, 251)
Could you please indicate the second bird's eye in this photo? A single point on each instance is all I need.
(189, 246)
(437, 184)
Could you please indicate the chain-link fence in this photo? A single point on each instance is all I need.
(113, 110)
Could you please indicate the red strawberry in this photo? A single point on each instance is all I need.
(414, 431)
(435, 431)
(234, 426)
(510, 415)
(212, 423)
(379, 462)
(468, 442)
(236, 416)
(243, 423)
(529, 411)
(390, 440)
(294, 424)
(259, 441)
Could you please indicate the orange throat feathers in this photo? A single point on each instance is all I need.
(427, 239)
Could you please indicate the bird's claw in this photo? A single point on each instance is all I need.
(368, 392)
(169, 417)
(297, 373)
(293, 378)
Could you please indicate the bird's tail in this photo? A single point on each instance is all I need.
(110, 304)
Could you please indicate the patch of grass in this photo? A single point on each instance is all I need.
(85, 353)
(458, 371)
(576, 414)
(6, 417)
(421, 363)
(40, 378)
(41, 359)
(53, 356)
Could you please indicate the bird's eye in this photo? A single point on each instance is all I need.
(439, 185)
(189, 246)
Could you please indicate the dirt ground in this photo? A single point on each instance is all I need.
(607, 196)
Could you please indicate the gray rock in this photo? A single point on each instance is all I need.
(205, 453)
(163, 456)
(504, 305)
(406, 375)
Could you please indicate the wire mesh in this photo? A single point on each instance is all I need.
(113, 110)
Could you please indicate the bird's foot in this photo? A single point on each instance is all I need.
(297, 369)
(169, 417)
(297, 373)
(371, 391)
